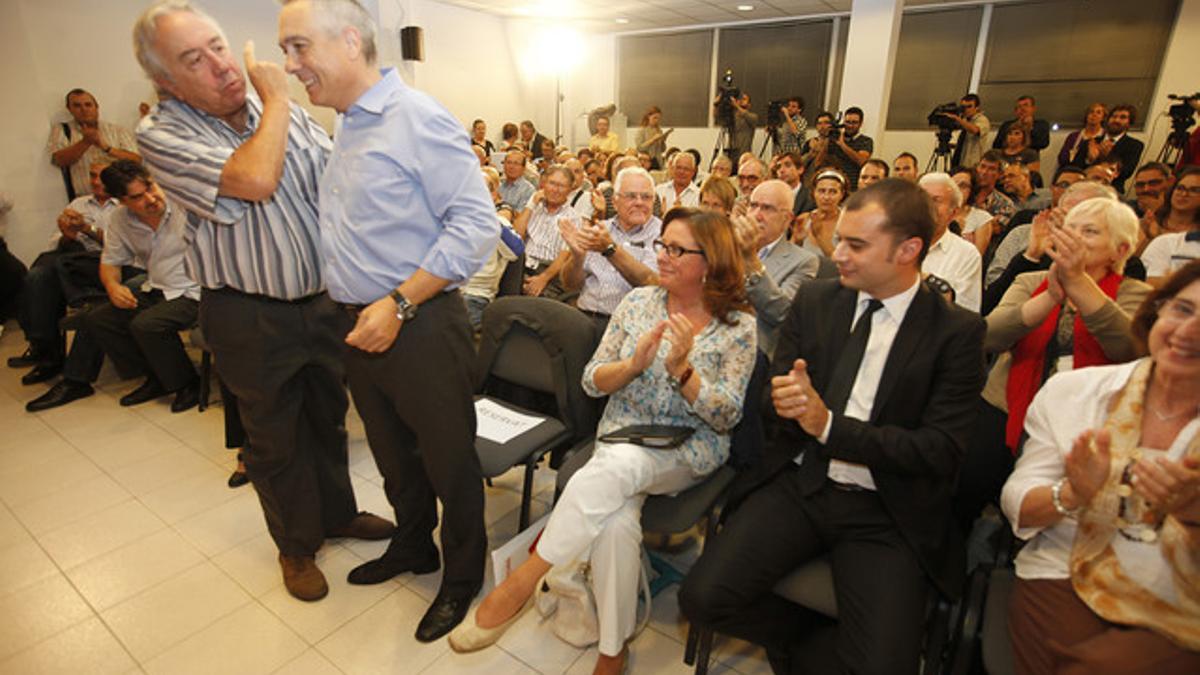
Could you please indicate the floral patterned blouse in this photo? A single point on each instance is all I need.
(722, 356)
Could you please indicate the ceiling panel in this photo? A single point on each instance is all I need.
(603, 17)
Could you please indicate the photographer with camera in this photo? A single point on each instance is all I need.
(744, 123)
(974, 127)
(792, 131)
(839, 144)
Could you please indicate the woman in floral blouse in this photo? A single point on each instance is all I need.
(680, 353)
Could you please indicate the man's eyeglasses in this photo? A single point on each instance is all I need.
(673, 250)
(637, 196)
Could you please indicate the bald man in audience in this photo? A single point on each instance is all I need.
(775, 267)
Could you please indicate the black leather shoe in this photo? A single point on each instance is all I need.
(149, 391)
(61, 393)
(237, 479)
(42, 372)
(29, 358)
(448, 610)
(186, 398)
(381, 569)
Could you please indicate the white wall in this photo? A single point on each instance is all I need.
(48, 48)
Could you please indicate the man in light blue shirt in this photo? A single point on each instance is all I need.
(405, 220)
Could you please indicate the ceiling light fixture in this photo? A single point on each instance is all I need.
(745, 8)
(622, 20)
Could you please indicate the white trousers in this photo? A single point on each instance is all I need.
(599, 516)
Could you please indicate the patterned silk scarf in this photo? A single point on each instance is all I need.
(1096, 572)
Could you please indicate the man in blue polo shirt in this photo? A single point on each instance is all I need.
(405, 220)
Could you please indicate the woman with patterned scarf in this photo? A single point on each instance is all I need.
(1107, 495)
(1075, 315)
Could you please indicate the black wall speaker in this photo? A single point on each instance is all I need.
(412, 43)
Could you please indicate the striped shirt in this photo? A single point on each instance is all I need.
(115, 135)
(95, 214)
(267, 248)
(543, 243)
(603, 286)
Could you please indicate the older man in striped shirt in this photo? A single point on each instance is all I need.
(608, 259)
(246, 169)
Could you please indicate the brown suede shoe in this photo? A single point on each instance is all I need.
(364, 526)
(302, 577)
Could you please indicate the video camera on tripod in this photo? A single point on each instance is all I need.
(940, 117)
(1182, 114)
(727, 96)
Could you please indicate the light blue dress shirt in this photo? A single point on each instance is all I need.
(402, 190)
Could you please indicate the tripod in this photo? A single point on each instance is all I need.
(1177, 140)
(772, 137)
(941, 158)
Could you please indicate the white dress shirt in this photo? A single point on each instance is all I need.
(885, 323)
(958, 262)
(1168, 253)
(690, 196)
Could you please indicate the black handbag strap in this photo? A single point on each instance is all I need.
(66, 170)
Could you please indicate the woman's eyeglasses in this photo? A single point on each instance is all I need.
(673, 250)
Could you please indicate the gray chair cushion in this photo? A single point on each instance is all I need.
(811, 586)
(496, 458)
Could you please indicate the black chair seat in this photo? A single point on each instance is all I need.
(672, 515)
(497, 458)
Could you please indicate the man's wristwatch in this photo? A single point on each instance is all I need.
(405, 310)
(609, 250)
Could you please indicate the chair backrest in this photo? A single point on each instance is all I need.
(542, 346)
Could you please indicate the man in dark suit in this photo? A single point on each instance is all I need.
(874, 381)
(533, 138)
(1119, 145)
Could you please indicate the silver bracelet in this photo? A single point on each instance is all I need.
(1056, 499)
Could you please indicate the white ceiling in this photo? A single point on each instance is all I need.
(593, 15)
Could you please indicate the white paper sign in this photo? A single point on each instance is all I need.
(499, 424)
(515, 551)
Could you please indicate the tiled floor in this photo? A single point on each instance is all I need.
(122, 551)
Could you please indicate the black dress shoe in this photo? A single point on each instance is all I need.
(149, 391)
(381, 569)
(42, 372)
(29, 358)
(448, 610)
(61, 393)
(186, 398)
(237, 479)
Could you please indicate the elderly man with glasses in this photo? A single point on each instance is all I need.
(775, 267)
(609, 258)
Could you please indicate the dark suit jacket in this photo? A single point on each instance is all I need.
(1129, 151)
(923, 413)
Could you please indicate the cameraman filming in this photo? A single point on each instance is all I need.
(744, 123)
(839, 146)
(791, 133)
(974, 127)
